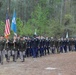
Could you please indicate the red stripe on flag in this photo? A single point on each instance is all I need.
(7, 28)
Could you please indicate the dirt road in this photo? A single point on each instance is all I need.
(53, 64)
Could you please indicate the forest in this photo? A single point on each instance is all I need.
(53, 18)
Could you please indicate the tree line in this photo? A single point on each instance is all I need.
(49, 17)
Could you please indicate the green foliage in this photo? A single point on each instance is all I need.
(43, 15)
(19, 26)
(2, 27)
(0, 4)
(39, 19)
(68, 19)
(54, 29)
(72, 29)
(23, 29)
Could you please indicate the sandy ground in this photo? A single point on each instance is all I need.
(53, 64)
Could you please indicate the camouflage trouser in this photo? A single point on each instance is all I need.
(21, 53)
(14, 54)
(1, 57)
(7, 55)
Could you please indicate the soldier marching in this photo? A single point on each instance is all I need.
(37, 46)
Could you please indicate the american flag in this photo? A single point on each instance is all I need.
(7, 27)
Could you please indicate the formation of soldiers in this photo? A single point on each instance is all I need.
(37, 46)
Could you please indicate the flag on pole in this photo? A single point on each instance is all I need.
(35, 33)
(13, 24)
(7, 27)
(67, 35)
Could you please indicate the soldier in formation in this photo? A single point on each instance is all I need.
(37, 46)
